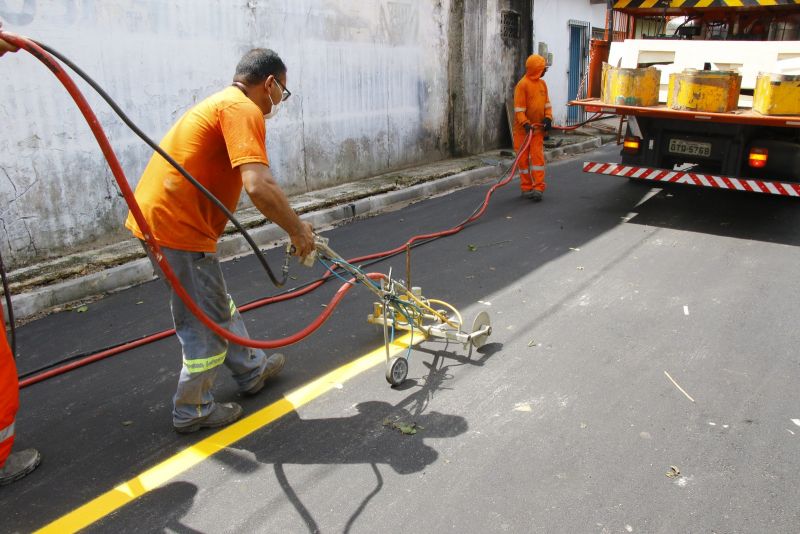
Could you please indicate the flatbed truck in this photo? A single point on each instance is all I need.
(740, 150)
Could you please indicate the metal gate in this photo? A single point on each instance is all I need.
(579, 34)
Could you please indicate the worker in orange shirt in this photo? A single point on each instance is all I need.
(532, 113)
(221, 142)
(13, 466)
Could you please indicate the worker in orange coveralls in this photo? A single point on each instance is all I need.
(532, 112)
(17, 465)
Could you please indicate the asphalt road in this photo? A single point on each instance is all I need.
(633, 330)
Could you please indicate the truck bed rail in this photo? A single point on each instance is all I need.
(740, 116)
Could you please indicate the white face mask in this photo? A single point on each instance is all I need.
(275, 108)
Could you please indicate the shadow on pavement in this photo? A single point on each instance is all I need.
(756, 217)
(160, 510)
(78, 421)
(372, 436)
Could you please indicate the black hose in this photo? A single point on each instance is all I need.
(152, 144)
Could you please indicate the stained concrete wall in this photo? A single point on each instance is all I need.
(374, 90)
(485, 66)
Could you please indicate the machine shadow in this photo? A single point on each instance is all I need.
(379, 434)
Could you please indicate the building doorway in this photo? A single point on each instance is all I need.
(579, 34)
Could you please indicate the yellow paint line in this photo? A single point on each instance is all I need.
(184, 460)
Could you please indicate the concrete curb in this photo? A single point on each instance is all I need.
(136, 272)
(576, 148)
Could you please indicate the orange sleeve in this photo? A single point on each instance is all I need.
(520, 104)
(245, 134)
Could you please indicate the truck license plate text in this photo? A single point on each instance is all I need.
(689, 148)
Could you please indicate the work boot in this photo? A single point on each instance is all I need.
(224, 413)
(536, 195)
(19, 464)
(528, 194)
(274, 365)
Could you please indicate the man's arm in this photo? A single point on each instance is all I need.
(270, 200)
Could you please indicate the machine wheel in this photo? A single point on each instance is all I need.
(481, 321)
(397, 370)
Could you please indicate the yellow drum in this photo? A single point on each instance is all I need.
(630, 87)
(777, 94)
(703, 90)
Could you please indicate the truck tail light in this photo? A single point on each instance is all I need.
(758, 157)
(631, 145)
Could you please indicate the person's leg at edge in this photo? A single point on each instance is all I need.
(9, 403)
(13, 465)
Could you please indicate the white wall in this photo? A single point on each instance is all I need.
(369, 83)
(551, 25)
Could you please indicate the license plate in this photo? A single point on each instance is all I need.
(690, 148)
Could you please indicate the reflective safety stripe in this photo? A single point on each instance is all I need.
(7, 432)
(201, 365)
(548, 105)
(686, 4)
(538, 167)
(232, 306)
(524, 171)
(520, 109)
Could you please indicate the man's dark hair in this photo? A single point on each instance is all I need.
(257, 65)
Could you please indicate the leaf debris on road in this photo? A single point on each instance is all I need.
(673, 472)
(409, 429)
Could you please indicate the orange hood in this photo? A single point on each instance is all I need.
(535, 66)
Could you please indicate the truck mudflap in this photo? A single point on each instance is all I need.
(790, 189)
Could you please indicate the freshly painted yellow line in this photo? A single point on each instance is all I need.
(186, 459)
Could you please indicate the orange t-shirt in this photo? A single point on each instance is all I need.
(210, 141)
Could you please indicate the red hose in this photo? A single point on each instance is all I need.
(127, 193)
(576, 126)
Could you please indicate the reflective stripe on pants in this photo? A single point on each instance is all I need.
(7, 432)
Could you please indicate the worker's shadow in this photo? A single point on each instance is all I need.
(378, 434)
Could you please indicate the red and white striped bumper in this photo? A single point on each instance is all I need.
(692, 178)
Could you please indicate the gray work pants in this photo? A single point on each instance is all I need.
(203, 350)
